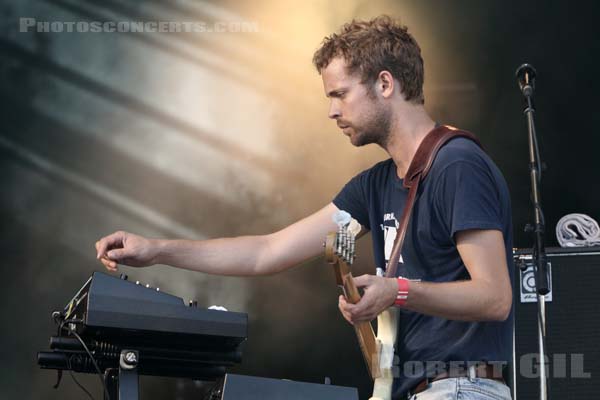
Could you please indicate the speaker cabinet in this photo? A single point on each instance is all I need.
(572, 325)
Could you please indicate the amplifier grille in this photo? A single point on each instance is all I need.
(572, 323)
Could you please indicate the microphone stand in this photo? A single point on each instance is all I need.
(526, 79)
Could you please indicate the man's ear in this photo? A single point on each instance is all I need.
(386, 84)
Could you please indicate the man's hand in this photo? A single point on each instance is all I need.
(125, 248)
(379, 294)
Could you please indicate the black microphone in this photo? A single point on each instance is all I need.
(526, 78)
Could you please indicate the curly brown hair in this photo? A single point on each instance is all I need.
(369, 47)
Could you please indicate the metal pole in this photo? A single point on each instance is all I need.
(541, 338)
(526, 79)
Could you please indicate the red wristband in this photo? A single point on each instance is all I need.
(402, 294)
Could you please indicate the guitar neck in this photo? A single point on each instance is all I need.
(350, 289)
(364, 330)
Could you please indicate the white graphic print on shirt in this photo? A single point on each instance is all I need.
(390, 230)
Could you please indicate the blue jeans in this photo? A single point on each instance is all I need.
(464, 389)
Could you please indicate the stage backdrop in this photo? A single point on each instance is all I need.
(223, 133)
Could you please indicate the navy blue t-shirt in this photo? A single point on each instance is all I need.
(463, 190)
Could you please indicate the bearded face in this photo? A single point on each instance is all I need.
(356, 107)
(371, 125)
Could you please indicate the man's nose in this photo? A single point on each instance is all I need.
(334, 111)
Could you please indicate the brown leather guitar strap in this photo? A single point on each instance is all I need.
(417, 171)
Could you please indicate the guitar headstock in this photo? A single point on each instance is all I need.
(340, 246)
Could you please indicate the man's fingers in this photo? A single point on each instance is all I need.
(353, 309)
(341, 305)
(109, 264)
(361, 310)
(363, 280)
(356, 312)
(108, 258)
(112, 240)
(350, 309)
(344, 303)
(357, 309)
(118, 254)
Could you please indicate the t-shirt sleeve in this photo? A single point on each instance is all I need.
(352, 198)
(466, 197)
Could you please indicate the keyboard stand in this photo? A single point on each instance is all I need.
(123, 384)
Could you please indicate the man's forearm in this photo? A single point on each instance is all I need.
(239, 256)
(463, 300)
(486, 296)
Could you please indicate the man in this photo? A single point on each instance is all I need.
(458, 246)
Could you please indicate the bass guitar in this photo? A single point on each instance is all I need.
(378, 351)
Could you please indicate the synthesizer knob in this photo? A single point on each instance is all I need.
(123, 276)
(137, 282)
(148, 286)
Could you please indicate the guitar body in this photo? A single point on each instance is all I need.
(387, 323)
